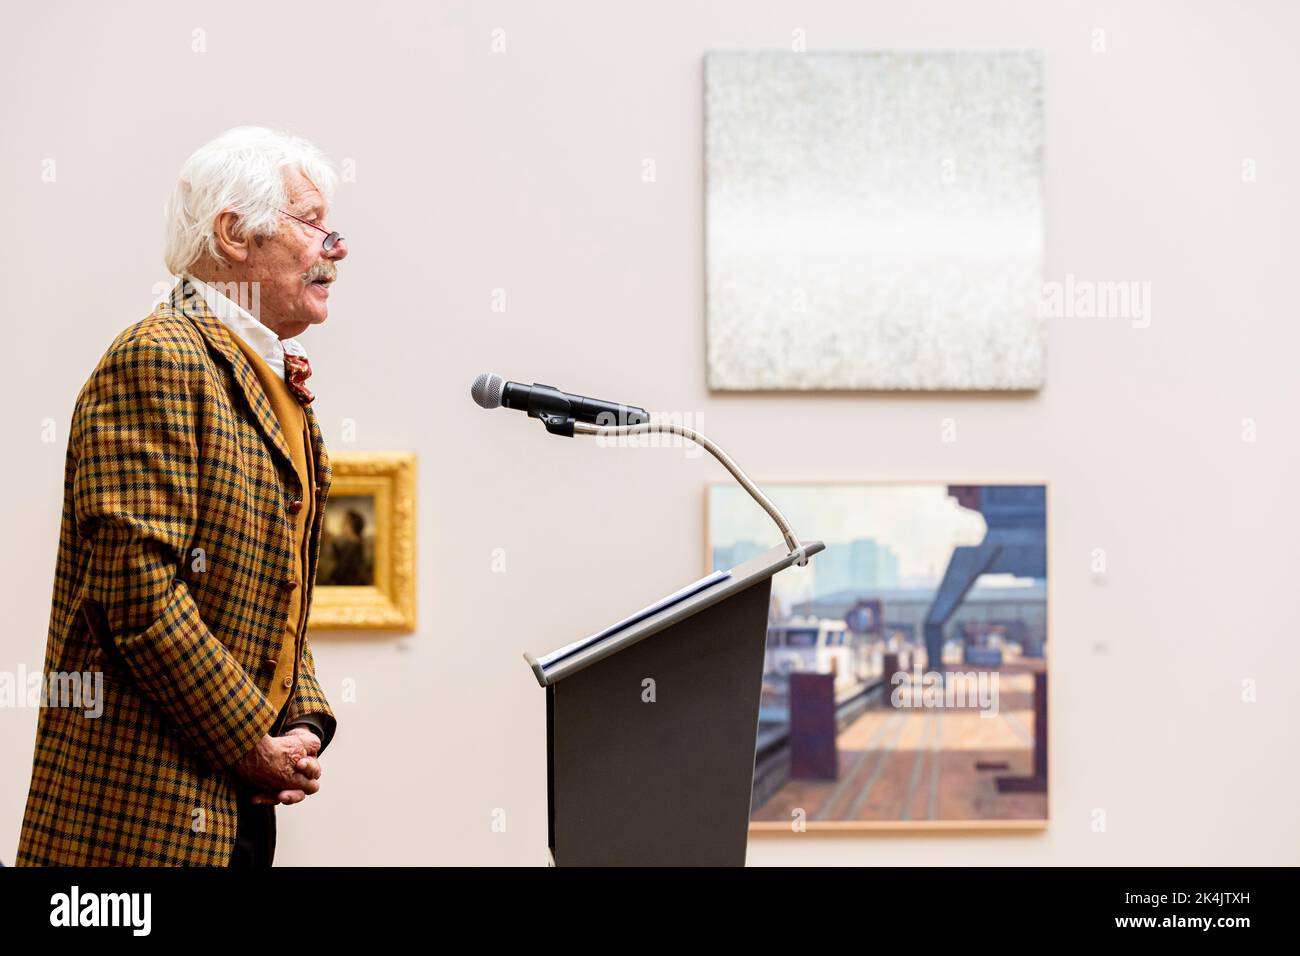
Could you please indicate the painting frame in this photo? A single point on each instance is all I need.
(781, 829)
(389, 477)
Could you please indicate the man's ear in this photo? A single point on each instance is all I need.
(232, 239)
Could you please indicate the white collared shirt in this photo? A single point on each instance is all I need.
(239, 320)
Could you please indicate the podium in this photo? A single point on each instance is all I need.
(651, 726)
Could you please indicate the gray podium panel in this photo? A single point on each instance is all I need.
(668, 782)
(665, 783)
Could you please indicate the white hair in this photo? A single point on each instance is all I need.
(241, 170)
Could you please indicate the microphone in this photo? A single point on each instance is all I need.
(554, 407)
(560, 411)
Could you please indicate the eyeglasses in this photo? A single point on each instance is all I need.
(332, 239)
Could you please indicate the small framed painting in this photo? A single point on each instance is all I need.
(365, 576)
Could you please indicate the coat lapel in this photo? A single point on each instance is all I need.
(324, 475)
(324, 471)
(187, 300)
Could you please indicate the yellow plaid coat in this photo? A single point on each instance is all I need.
(173, 447)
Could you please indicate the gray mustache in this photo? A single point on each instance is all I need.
(321, 270)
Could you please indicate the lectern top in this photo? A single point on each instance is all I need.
(662, 614)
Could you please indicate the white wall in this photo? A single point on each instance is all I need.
(522, 170)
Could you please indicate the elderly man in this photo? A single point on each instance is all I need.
(194, 493)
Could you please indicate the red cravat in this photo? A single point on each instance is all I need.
(296, 372)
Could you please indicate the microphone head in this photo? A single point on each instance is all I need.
(487, 389)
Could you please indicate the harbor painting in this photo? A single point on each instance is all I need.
(905, 678)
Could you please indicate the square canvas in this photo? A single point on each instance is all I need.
(874, 221)
(905, 678)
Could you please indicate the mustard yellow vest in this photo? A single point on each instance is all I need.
(293, 423)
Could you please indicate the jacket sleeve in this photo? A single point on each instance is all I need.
(135, 490)
(309, 699)
(311, 722)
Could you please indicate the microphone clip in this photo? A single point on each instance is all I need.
(552, 408)
(557, 424)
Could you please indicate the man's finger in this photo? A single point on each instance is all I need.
(298, 782)
(309, 739)
(283, 796)
(300, 763)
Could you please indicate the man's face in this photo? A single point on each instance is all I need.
(294, 272)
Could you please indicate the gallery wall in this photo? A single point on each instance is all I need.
(500, 218)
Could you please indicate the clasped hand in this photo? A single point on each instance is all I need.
(282, 769)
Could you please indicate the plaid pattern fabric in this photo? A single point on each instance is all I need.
(174, 552)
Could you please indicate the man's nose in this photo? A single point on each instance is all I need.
(340, 250)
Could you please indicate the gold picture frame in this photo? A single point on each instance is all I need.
(372, 502)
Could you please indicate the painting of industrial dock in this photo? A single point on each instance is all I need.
(905, 679)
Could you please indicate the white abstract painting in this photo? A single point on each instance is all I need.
(874, 221)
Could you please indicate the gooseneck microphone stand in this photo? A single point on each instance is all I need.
(568, 415)
(727, 462)
(558, 423)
